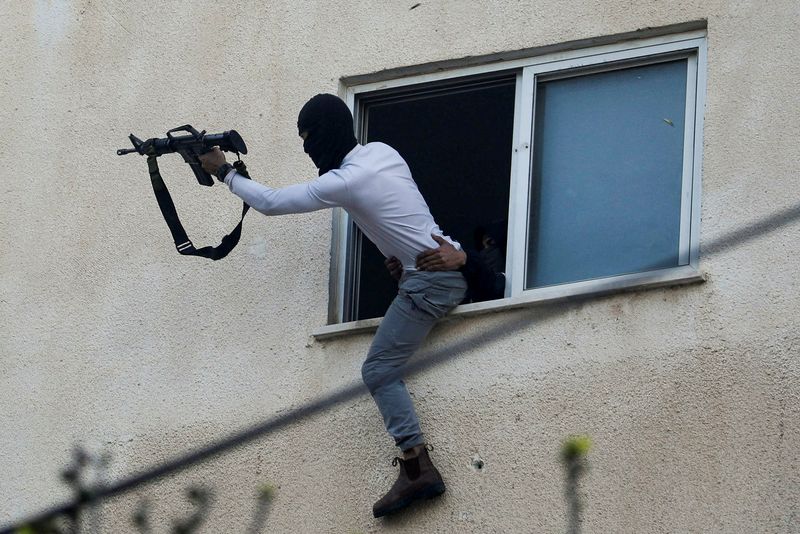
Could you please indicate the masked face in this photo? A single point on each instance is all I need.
(326, 125)
(313, 146)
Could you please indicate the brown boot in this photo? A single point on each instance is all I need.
(418, 480)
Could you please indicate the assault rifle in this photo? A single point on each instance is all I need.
(191, 147)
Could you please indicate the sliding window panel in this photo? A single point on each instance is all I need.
(607, 173)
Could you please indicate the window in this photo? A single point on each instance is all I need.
(456, 140)
(607, 173)
(581, 167)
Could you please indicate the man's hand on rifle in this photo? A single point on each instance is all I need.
(212, 160)
(444, 258)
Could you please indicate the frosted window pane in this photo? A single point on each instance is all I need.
(607, 173)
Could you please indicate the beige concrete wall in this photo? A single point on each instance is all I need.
(108, 337)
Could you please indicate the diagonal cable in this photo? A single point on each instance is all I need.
(422, 363)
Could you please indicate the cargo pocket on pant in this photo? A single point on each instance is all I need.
(423, 304)
(433, 301)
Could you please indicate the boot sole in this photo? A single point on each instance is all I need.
(434, 490)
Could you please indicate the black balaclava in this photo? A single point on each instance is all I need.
(330, 131)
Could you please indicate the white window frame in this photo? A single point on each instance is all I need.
(690, 45)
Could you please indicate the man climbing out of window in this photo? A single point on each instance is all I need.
(374, 184)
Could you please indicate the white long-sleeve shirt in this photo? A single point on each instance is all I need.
(374, 185)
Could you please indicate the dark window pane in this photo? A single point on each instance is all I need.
(457, 143)
(607, 172)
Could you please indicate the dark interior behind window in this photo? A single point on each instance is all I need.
(457, 143)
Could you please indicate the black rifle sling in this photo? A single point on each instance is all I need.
(182, 241)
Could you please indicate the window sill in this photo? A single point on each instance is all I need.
(545, 295)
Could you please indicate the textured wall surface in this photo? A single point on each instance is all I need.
(109, 338)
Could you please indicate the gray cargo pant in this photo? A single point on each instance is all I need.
(423, 298)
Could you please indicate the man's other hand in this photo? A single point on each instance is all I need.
(444, 258)
(212, 160)
(394, 266)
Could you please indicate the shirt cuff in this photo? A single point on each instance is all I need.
(229, 177)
